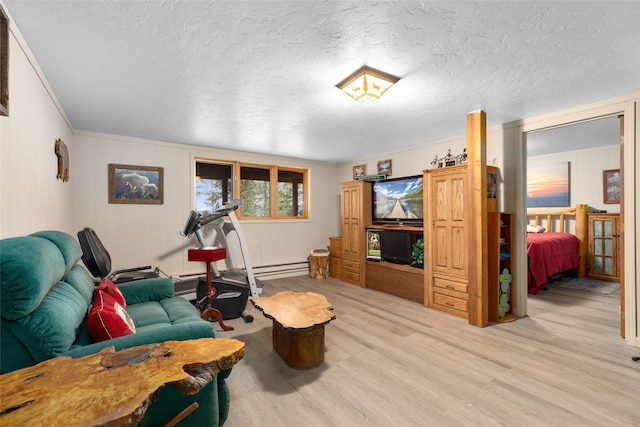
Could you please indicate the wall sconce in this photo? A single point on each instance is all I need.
(367, 84)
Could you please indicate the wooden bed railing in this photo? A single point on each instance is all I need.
(558, 220)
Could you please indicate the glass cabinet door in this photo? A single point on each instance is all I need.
(603, 246)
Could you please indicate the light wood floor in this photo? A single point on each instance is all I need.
(392, 362)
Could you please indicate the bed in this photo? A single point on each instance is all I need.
(551, 250)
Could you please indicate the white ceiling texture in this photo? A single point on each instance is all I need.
(260, 75)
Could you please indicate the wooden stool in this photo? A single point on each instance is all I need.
(209, 255)
(318, 262)
(298, 326)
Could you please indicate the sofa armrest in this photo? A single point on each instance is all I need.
(179, 332)
(145, 290)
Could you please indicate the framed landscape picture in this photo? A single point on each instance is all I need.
(130, 184)
(548, 185)
(611, 186)
(384, 167)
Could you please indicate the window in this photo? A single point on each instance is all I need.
(266, 192)
(214, 186)
(255, 189)
(290, 193)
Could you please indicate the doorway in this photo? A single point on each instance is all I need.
(581, 153)
(611, 108)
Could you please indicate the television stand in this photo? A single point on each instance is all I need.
(401, 280)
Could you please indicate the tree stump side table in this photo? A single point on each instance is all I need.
(318, 263)
(298, 326)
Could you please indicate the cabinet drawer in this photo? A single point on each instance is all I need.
(450, 304)
(335, 246)
(351, 264)
(350, 276)
(335, 266)
(449, 287)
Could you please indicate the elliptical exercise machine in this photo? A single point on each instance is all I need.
(229, 291)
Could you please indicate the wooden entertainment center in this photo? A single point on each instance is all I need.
(456, 276)
(401, 280)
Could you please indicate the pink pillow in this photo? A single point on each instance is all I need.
(108, 319)
(108, 287)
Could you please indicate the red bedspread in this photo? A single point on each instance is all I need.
(549, 254)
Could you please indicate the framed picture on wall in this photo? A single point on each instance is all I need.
(384, 167)
(548, 185)
(359, 170)
(492, 185)
(611, 186)
(130, 184)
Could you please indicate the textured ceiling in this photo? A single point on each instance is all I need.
(259, 75)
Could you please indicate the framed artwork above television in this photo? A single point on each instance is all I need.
(359, 170)
(384, 167)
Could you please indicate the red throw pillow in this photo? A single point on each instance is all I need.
(107, 286)
(108, 319)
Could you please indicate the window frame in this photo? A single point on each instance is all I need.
(305, 193)
(273, 189)
(236, 187)
(4, 63)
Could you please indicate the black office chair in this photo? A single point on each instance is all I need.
(98, 261)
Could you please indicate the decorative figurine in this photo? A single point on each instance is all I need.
(449, 159)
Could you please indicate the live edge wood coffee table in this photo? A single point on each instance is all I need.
(111, 388)
(298, 326)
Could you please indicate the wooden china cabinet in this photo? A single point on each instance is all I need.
(604, 248)
(355, 210)
(447, 274)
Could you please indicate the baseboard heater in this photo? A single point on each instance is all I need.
(185, 285)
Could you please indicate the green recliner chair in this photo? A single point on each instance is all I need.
(45, 297)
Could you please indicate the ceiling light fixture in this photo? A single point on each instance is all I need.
(367, 84)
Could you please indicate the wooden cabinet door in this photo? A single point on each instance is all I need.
(603, 246)
(351, 221)
(449, 246)
(355, 215)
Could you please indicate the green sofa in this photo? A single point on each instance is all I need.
(44, 301)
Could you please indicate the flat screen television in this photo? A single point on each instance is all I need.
(395, 246)
(398, 201)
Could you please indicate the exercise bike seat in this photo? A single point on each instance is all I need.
(98, 261)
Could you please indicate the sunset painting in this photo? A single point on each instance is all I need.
(548, 185)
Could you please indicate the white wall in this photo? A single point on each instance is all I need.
(501, 152)
(407, 161)
(585, 177)
(32, 199)
(149, 234)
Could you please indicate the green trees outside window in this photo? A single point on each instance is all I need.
(270, 192)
